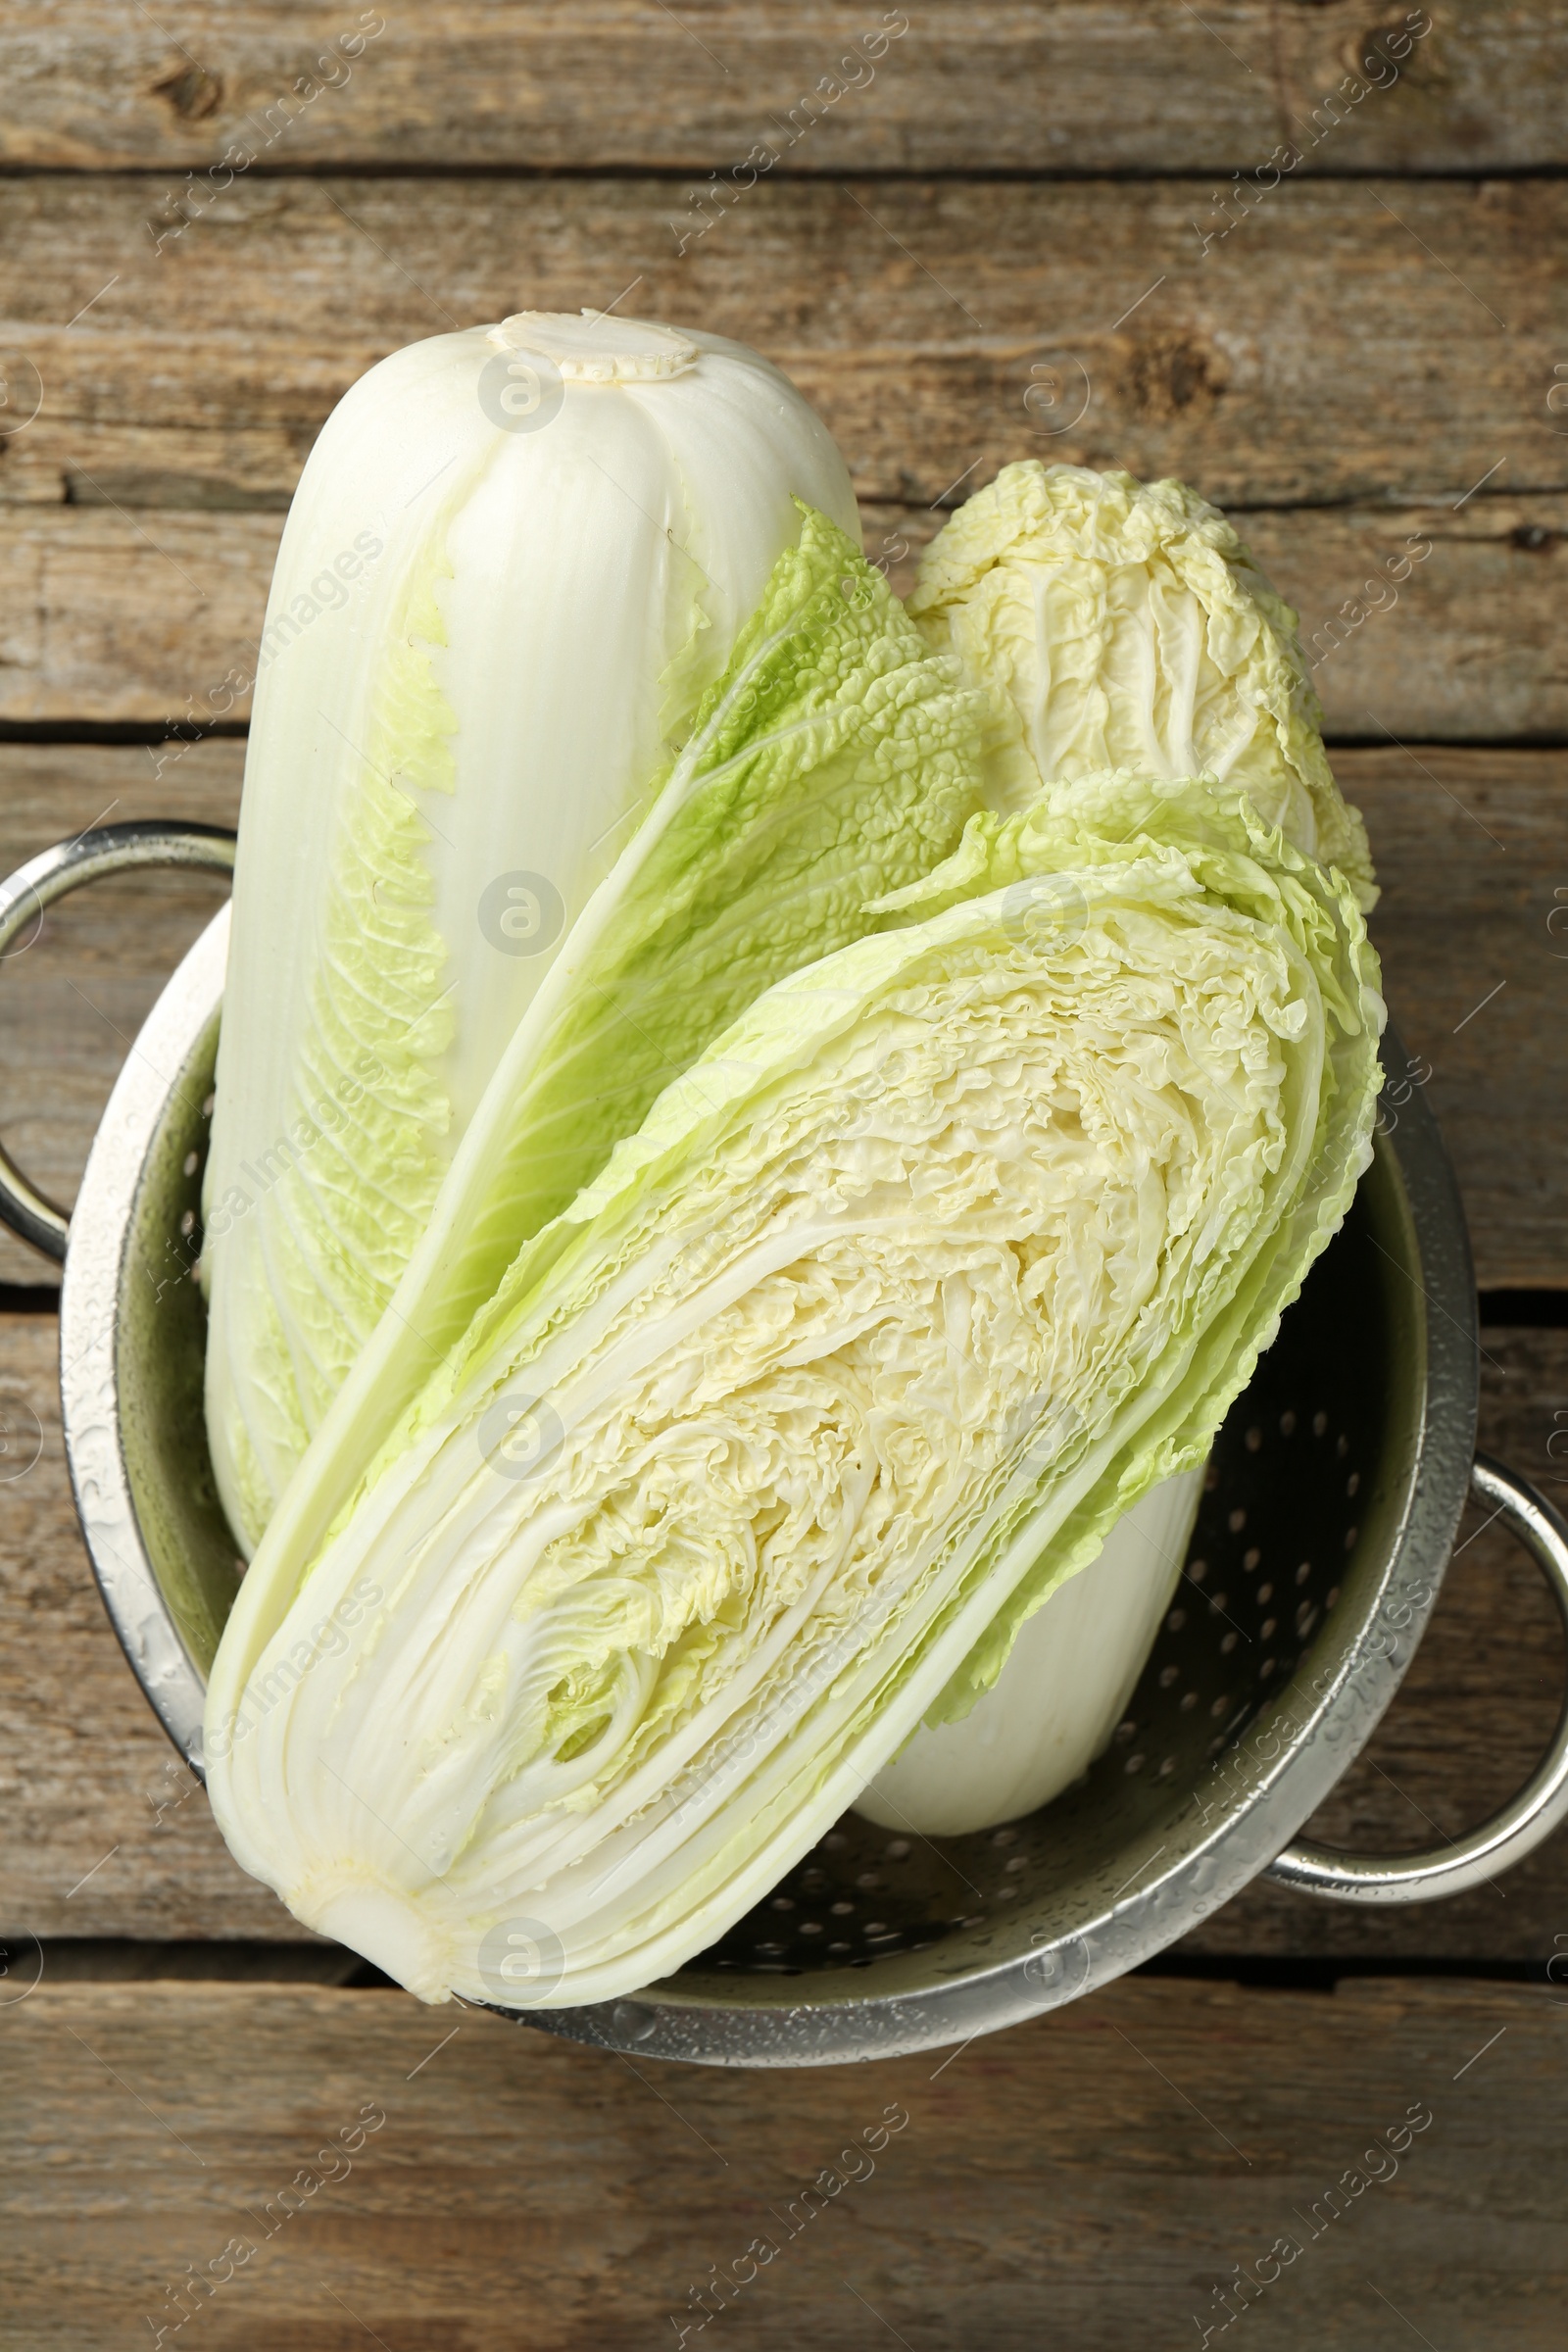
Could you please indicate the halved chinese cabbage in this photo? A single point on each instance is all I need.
(951, 1246)
(1124, 624)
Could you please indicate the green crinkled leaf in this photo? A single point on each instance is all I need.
(1118, 623)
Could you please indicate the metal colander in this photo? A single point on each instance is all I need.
(1332, 1499)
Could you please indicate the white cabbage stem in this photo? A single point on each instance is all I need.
(1056, 1702)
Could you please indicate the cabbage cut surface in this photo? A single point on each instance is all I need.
(948, 1248)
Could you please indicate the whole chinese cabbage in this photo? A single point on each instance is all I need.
(497, 809)
(950, 1248)
(1123, 623)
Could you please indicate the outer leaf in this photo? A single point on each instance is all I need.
(1121, 623)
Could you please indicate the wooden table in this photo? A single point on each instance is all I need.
(1358, 349)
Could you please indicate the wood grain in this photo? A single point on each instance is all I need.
(1090, 85)
(106, 1835)
(1088, 2179)
(1472, 846)
(153, 617)
(106, 1832)
(1350, 341)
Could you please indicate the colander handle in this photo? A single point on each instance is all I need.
(23, 896)
(1474, 1859)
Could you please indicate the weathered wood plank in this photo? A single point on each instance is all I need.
(107, 615)
(154, 616)
(1371, 341)
(1472, 846)
(1088, 2179)
(89, 1785)
(1091, 85)
(106, 1832)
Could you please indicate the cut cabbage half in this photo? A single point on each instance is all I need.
(949, 1249)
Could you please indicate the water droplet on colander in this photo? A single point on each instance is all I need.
(635, 2021)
